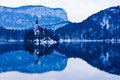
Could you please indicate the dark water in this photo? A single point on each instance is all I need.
(63, 61)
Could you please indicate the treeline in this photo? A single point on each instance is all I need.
(88, 30)
(7, 34)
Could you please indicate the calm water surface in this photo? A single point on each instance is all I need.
(64, 61)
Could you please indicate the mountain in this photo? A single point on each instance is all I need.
(102, 25)
(24, 17)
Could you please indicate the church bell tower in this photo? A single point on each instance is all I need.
(36, 28)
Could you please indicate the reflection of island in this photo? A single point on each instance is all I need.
(101, 55)
(39, 50)
(24, 60)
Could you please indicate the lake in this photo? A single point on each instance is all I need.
(61, 61)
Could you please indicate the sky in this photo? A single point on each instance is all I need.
(77, 10)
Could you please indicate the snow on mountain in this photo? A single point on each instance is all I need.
(109, 18)
(24, 17)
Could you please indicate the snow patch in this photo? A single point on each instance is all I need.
(105, 23)
(114, 10)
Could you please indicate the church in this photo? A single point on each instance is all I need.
(39, 32)
(42, 35)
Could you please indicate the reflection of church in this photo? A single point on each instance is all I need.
(39, 50)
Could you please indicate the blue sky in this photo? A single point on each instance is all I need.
(77, 10)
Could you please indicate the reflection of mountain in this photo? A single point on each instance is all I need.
(23, 62)
(19, 60)
(101, 55)
(104, 56)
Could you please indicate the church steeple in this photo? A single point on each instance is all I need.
(36, 21)
(36, 27)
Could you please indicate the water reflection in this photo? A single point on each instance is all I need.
(4, 48)
(30, 58)
(104, 56)
(23, 59)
